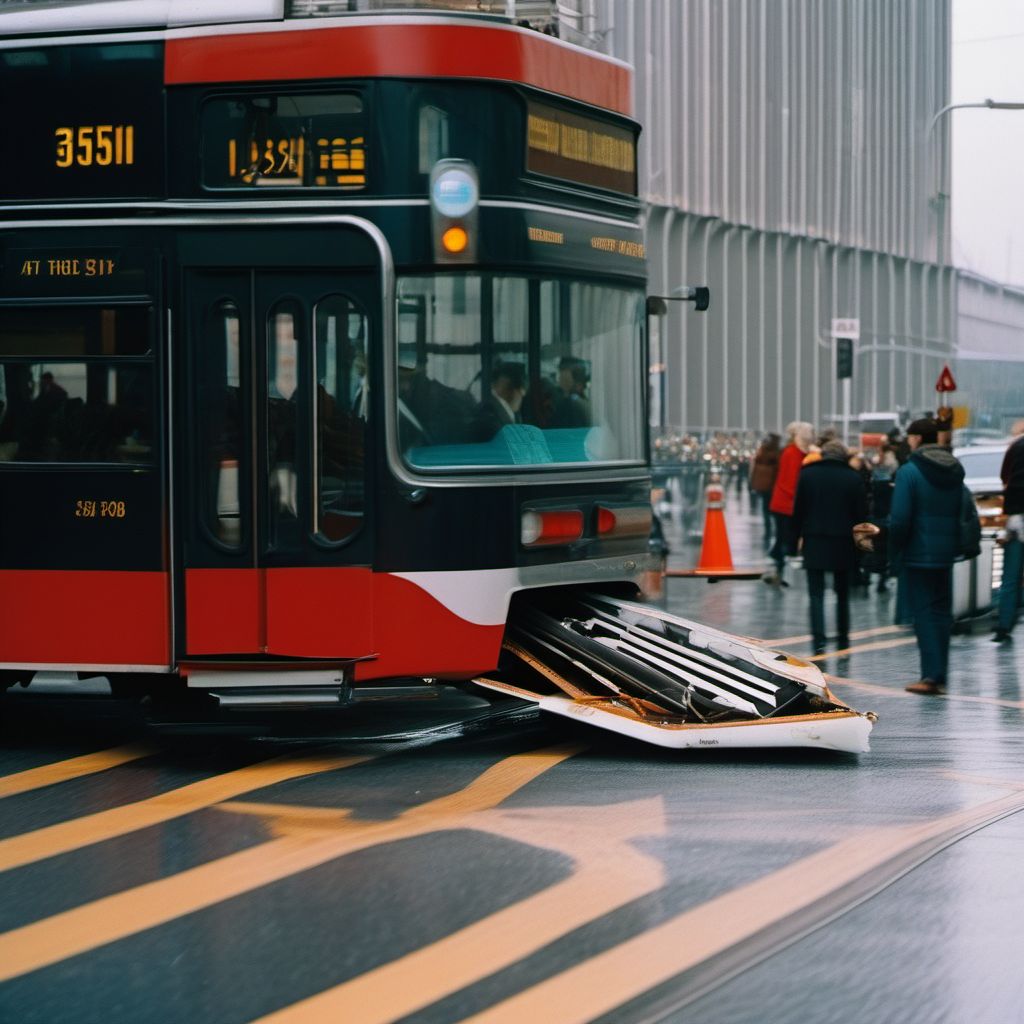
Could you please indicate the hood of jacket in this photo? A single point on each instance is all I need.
(830, 461)
(938, 466)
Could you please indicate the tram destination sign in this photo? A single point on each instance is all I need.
(284, 140)
(56, 270)
(84, 122)
(582, 149)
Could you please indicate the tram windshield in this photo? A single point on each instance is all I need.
(497, 370)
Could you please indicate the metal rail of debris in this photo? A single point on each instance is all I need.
(641, 672)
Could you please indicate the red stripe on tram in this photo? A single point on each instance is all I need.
(224, 611)
(64, 617)
(416, 635)
(335, 612)
(401, 51)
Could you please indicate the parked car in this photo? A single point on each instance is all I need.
(982, 463)
(964, 437)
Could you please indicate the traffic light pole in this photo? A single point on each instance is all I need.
(846, 410)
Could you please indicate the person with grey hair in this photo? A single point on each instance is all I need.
(830, 500)
(800, 435)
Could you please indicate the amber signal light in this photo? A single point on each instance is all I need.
(455, 239)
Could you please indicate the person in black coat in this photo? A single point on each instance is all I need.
(830, 501)
(502, 406)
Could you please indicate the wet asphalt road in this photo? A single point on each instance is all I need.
(503, 867)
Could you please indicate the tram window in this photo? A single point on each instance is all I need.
(284, 140)
(439, 364)
(433, 137)
(70, 331)
(551, 369)
(219, 434)
(342, 403)
(77, 412)
(284, 327)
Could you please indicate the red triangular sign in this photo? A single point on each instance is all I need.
(945, 381)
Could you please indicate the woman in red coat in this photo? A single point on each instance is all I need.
(800, 435)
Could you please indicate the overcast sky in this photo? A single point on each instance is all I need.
(988, 145)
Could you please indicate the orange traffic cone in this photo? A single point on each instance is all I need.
(715, 555)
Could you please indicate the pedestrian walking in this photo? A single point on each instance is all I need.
(799, 436)
(764, 468)
(1012, 538)
(925, 539)
(830, 501)
(883, 475)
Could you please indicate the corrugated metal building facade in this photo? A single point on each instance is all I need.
(989, 366)
(788, 163)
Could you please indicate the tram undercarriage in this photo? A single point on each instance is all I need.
(625, 667)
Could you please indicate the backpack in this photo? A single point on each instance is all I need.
(969, 540)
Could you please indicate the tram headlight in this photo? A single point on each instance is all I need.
(454, 198)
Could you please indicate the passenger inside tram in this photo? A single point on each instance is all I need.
(503, 405)
(431, 413)
(572, 406)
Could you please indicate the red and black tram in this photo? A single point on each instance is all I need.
(320, 338)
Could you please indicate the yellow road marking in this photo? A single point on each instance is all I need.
(898, 691)
(118, 821)
(302, 846)
(606, 981)
(608, 874)
(857, 635)
(983, 780)
(73, 768)
(878, 645)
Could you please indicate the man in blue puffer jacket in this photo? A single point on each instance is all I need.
(924, 539)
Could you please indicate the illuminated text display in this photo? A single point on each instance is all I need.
(564, 145)
(83, 122)
(284, 141)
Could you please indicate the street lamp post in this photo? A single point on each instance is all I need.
(936, 196)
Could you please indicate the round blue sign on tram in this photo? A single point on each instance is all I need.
(454, 192)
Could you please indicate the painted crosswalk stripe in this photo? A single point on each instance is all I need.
(878, 645)
(76, 833)
(609, 872)
(73, 768)
(806, 638)
(307, 840)
(898, 691)
(811, 890)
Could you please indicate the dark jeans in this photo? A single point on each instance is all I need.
(1009, 589)
(761, 500)
(901, 616)
(930, 604)
(783, 545)
(816, 592)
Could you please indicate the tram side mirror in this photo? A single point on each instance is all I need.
(700, 296)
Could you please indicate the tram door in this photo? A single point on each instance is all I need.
(273, 436)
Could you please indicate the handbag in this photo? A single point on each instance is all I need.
(969, 540)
